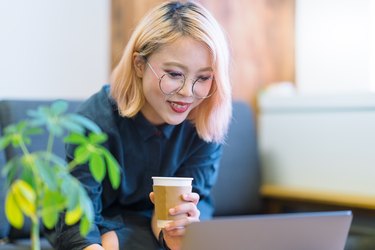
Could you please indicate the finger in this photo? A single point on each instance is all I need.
(177, 227)
(175, 231)
(192, 197)
(152, 197)
(186, 208)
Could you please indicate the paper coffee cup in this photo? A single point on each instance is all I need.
(167, 193)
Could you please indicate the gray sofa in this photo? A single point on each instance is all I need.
(236, 192)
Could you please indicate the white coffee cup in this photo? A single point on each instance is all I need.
(168, 193)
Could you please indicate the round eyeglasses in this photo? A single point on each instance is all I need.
(172, 82)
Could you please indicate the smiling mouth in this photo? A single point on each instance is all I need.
(179, 107)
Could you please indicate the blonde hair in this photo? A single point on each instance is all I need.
(163, 25)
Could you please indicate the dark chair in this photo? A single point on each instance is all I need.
(237, 189)
(4, 225)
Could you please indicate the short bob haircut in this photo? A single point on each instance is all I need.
(163, 25)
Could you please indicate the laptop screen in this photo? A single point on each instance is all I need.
(294, 231)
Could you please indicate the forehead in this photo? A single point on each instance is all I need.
(185, 50)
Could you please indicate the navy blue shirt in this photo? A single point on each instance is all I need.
(143, 150)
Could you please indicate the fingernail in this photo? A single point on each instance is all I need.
(172, 211)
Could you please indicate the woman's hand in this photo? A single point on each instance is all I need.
(175, 230)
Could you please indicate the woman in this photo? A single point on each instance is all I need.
(166, 113)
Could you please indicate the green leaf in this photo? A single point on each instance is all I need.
(40, 116)
(57, 160)
(84, 226)
(37, 122)
(85, 122)
(113, 169)
(75, 138)
(49, 217)
(46, 174)
(16, 140)
(97, 138)
(41, 113)
(11, 167)
(97, 167)
(27, 175)
(86, 204)
(59, 107)
(81, 154)
(69, 187)
(10, 129)
(21, 125)
(28, 160)
(26, 140)
(5, 141)
(15, 128)
(13, 212)
(88, 212)
(73, 216)
(52, 204)
(55, 129)
(72, 126)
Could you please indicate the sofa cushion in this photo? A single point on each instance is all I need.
(236, 191)
(4, 225)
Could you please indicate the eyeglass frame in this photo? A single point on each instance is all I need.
(182, 86)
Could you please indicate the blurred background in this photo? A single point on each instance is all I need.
(68, 48)
(307, 68)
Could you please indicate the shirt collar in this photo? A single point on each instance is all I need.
(147, 130)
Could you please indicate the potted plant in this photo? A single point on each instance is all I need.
(40, 184)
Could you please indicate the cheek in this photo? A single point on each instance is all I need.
(151, 90)
(197, 103)
(148, 85)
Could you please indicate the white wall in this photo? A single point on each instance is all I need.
(334, 39)
(53, 49)
(319, 142)
(320, 136)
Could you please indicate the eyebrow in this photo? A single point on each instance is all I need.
(186, 68)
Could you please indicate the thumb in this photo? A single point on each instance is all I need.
(152, 197)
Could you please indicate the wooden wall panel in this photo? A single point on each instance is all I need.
(125, 15)
(260, 32)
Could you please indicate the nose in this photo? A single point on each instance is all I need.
(187, 88)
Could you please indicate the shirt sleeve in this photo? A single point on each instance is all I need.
(69, 237)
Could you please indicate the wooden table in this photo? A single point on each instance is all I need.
(277, 196)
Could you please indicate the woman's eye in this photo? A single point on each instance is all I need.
(175, 75)
(204, 78)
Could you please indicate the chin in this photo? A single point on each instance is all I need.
(175, 120)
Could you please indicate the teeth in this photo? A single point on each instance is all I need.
(177, 105)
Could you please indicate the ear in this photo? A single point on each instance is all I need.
(139, 64)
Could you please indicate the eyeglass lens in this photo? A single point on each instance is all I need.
(172, 83)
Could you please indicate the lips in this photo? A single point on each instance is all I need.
(179, 107)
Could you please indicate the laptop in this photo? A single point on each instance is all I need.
(292, 231)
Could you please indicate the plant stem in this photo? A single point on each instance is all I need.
(35, 234)
(24, 148)
(71, 165)
(50, 143)
(35, 238)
